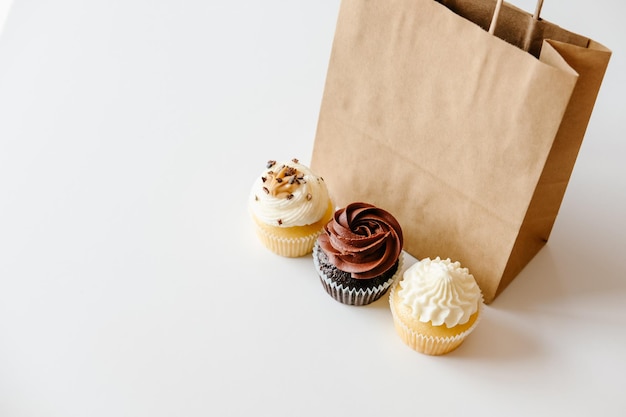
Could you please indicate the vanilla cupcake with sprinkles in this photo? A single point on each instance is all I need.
(290, 206)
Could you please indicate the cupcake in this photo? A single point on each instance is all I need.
(359, 253)
(290, 206)
(435, 305)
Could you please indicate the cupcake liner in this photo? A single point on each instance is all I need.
(350, 295)
(428, 344)
(293, 247)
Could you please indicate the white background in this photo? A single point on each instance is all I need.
(131, 282)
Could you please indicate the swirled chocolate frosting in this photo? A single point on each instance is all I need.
(363, 240)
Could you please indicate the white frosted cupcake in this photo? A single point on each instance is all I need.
(435, 305)
(290, 206)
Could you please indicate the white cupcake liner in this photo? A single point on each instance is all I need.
(428, 344)
(354, 296)
(292, 247)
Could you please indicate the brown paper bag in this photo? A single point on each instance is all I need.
(466, 138)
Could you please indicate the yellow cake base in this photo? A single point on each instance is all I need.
(294, 241)
(424, 337)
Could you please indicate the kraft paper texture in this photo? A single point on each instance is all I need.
(465, 137)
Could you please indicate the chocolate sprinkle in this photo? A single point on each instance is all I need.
(281, 180)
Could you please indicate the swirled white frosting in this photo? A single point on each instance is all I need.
(440, 291)
(305, 203)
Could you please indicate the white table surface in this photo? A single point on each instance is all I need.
(5, 7)
(132, 284)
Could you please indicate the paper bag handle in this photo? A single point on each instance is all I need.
(496, 14)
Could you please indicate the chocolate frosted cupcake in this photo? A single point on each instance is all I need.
(359, 253)
(290, 206)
